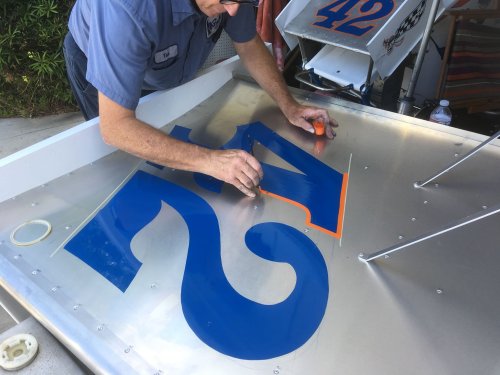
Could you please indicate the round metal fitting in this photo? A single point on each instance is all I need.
(18, 351)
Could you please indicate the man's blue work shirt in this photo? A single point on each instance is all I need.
(148, 44)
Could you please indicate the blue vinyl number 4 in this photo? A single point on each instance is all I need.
(353, 16)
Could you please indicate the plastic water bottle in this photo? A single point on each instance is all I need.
(442, 113)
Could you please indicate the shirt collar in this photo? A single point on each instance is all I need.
(182, 9)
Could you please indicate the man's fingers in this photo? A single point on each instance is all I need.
(253, 171)
(238, 168)
(245, 190)
(330, 133)
(254, 165)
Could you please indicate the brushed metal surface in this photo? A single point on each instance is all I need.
(432, 309)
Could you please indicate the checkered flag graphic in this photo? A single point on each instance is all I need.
(408, 23)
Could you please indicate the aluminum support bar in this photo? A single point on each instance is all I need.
(408, 99)
(420, 184)
(454, 225)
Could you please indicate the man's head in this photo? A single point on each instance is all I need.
(214, 7)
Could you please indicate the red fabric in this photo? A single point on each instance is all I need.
(266, 14)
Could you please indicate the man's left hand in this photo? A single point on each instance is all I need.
(302, 117)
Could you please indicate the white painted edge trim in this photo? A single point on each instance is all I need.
(82, 144)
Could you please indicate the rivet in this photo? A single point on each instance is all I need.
(18, 256)
(386, 256)
(100, 327)
(401, 237)
(439, 291)
(127, 349)
(456, 155)
(55, 288)
(306, 230)
(33, 204)
(485, 207)
(76, 307)
(153, 285)
(366, 167)
(436, 185)
(35, 272)
(413, 219)
(425, 202)
(67, 227)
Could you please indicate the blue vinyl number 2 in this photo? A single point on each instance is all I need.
(336, 13)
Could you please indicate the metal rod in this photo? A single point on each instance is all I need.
(368, 80)
(404, 109)
(454, 225)
(302, 49)
(299, 78)
(420, 184)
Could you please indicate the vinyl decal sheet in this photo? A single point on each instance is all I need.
(221, 317)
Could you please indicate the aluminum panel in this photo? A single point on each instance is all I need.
(432, 308)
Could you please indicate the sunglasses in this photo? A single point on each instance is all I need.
(255, 3)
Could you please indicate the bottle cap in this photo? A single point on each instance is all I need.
(444, 103)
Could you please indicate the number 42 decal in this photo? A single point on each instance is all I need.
(352, 16)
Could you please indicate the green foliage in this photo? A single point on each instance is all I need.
(32, 70)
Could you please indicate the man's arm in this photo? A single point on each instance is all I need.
(261, 65)
(120, 128)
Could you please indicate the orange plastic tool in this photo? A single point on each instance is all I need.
(319, 127)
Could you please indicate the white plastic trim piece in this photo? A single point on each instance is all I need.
(35, 240)
(18, 351)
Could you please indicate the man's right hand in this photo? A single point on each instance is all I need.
(236, 167)
(120, 128)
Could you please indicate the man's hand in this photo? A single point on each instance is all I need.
(302, 116)
(236, 167)
(120, 128)
(261, 65)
